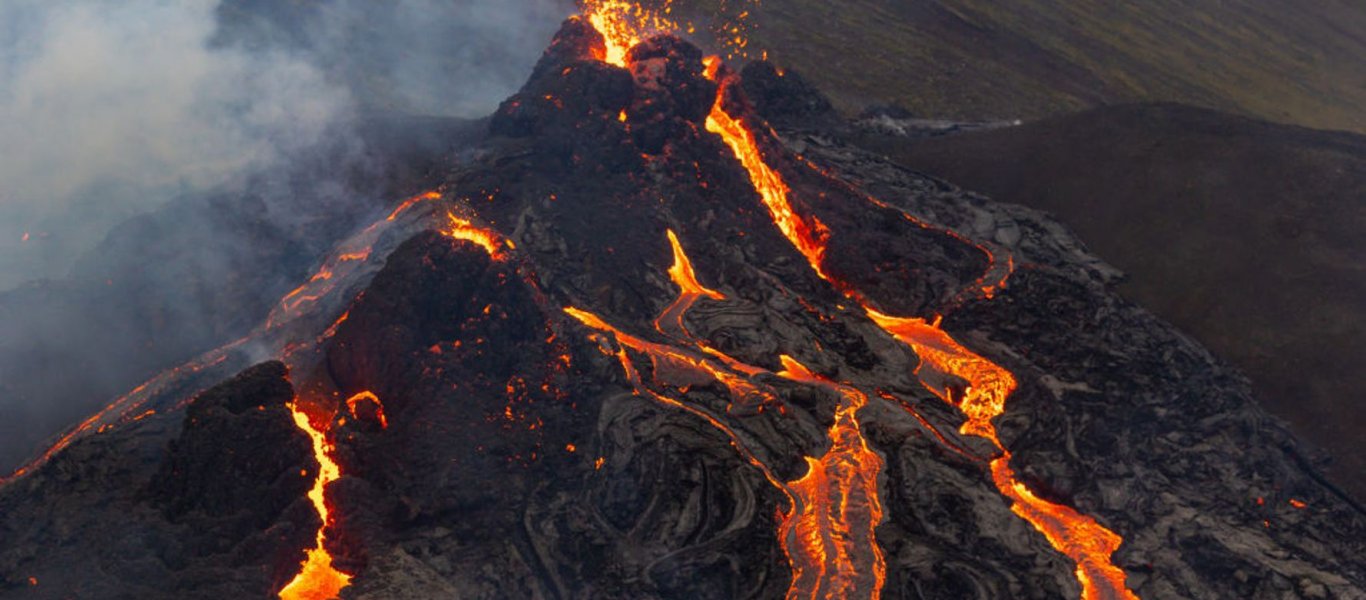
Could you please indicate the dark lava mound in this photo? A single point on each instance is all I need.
(598, 364)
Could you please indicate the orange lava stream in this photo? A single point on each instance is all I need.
(353, 403)
(808, 237)
(662, 355)
(828, 533)
(678, 367)
(463, 229)
(409, 203)
(1078, 536)
(126, 408)
(318, 580)
(825, 550)
(690, 291)
(670, 322)
(831, 542)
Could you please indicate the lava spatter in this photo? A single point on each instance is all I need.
(624, 24)
(367, 403)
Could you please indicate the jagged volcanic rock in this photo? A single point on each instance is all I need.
(219, 513)
(524, 451)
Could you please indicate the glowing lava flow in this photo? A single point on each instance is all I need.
(354, 403)
(463, 229)
(347, 259)
(690, 291)
(831, 543)
(808, 237)
(318, 580)
(670, 322)
(1078, 536)
(662, 355)
(828, 533)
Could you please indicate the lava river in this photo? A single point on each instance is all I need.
(1078, 536)
(829, 529)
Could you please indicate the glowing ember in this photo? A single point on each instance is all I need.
(462, 229)
(318, 580)
(354, 403)
(409, 203)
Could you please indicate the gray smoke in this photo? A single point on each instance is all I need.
(107, 109)
(110, 109)
(176, 165)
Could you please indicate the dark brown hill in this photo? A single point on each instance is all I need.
(1246, 234)
(1286, 61)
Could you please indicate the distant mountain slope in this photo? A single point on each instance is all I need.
(1245, 234)
(1285, 61)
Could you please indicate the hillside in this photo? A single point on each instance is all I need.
(1280, 60)
(1243, 233)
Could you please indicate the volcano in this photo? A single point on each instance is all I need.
(645, 345)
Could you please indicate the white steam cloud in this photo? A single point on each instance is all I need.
(109, 108)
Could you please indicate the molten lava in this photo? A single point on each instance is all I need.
(463, 229)
(809, 236)
(1076, 535)
(624, 24)
(368, 401)
(828, 533)
(318, 580)
(689, 292)
(409, 203)
(831, 542)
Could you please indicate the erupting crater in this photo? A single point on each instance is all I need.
(638, 346)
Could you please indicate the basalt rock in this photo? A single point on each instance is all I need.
(527, 452)
(217, 512)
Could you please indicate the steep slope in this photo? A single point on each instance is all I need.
(1245, 234)
(1280, 60)
(645, 350)
(183, 279)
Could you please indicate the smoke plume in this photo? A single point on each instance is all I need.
(111, 109)
(168, 167)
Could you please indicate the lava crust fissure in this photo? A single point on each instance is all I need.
(645, 346)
